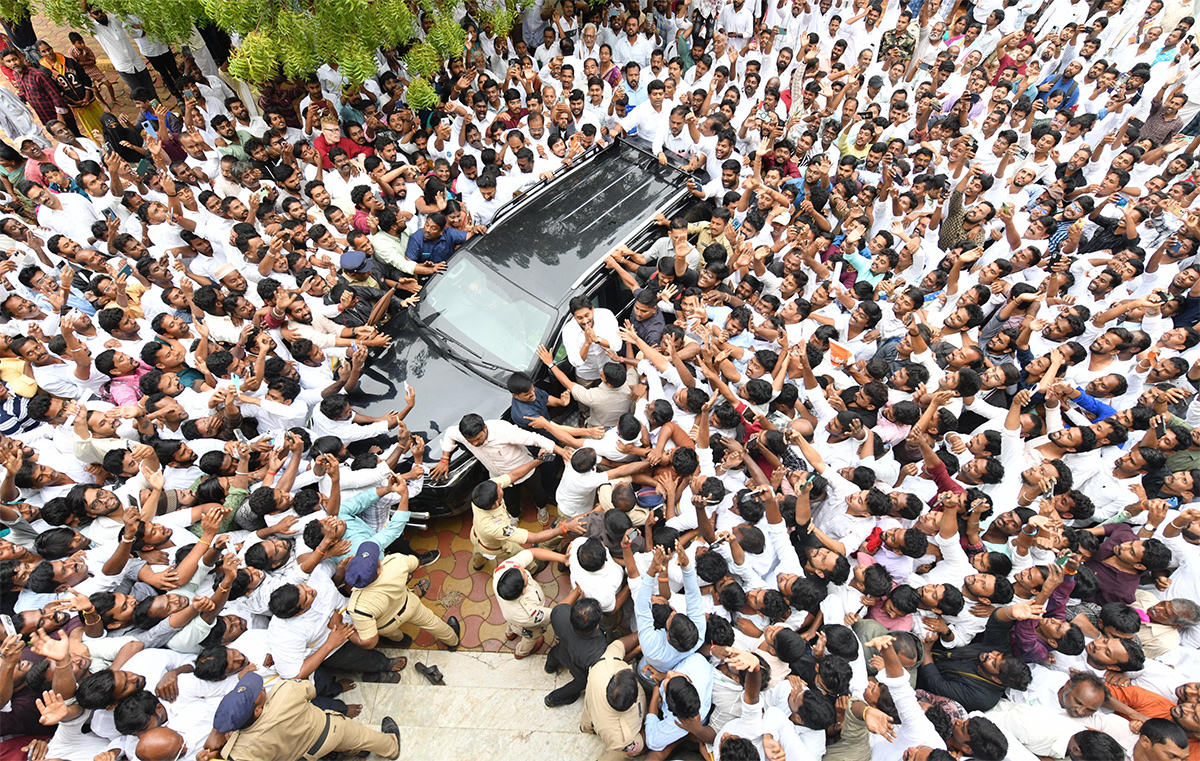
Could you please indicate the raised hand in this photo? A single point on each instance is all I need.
(52, 709)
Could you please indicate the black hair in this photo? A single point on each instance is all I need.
(987, 741)
(510, 585)
(1159, 731)
(135, 713)
(1014, 672)
(285, 601)
(95, 692)
(1096, 746)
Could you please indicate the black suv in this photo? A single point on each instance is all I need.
(506, 292)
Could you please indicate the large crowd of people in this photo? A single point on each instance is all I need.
(893, 456)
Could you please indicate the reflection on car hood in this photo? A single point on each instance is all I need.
(446, 390)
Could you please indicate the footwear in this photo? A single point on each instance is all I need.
(383, 677)
(389, 726)
(543, 516)
(510, 636)
(553, 701)
(422, 588)
(552, 665)
(396, 665)
(536, 646)
(457, 627)
(432, 673)
(476, 567)
(402, 643)
(426, 558)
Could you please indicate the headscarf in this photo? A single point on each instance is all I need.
(115, 132)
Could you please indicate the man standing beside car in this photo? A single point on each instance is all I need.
(607, 401)
(591, 338)
(502, 448)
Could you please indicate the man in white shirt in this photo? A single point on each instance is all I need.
(632, 46)
(502, 448)
(110, 33)
(914, 730)
(576, 493)
(588, 339)
(649, 119)
(68, 214)
(309, 627)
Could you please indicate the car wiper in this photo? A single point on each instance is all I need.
(475, 359)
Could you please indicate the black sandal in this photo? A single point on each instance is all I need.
(432, 673)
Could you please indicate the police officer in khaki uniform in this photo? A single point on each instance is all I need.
(381, 602)
(522, 601)
(614, 703)
(494, 533)
(281, 724)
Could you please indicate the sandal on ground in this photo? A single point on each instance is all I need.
(432, 673)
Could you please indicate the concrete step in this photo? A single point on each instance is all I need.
(491, 709)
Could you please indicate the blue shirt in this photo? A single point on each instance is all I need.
(357, 530)
(1069, 87)
(523, 413)
(656, 651)
(75, 300)
(662, 732)
(637, 96)
(1093, 406)
(433, 252)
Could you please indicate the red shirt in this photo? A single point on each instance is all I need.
(351, 148)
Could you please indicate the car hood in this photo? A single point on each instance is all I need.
(446, 389)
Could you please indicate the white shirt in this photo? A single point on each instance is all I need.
(914, 730)
(601, 585)
(272, 415)
(504, 450)
(117, 45)
(605, 327)
(73, 220)
(294, 639)
(576, 493)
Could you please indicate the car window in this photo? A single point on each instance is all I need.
(483, 310)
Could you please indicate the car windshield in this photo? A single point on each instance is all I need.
(474, 305)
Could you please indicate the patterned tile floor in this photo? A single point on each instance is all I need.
(455, 590)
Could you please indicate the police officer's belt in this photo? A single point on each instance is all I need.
(324, 736)
(391, 620)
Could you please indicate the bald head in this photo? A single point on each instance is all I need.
(160, 744)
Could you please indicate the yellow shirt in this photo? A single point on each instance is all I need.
(12, 373)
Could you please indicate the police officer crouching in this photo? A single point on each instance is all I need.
(382, 603)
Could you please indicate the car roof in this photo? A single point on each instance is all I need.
(549, 240)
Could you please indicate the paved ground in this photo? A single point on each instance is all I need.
(454, 590)
(57, 37)
(491, 708)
